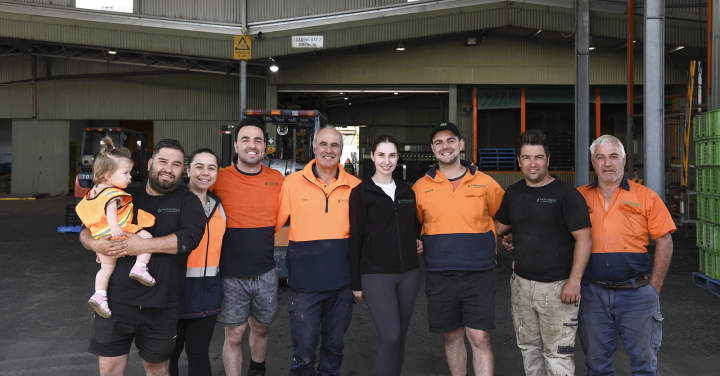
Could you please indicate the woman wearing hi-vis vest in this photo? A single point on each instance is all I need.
(202, 292)
(383, 253)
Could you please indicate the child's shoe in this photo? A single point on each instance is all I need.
(100, 304)
(139, 273)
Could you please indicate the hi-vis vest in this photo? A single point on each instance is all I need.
(92, 213)
(202, 292)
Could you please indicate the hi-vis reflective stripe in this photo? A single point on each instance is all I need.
(200, 272)
(107, 231)
(111, 192)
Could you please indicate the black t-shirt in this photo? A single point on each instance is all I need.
(542, 219)
(178, 212)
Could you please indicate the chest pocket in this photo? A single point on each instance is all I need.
(476, 193)
(478, 196)
(634, 223)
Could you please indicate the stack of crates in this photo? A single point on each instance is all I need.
(707, 159)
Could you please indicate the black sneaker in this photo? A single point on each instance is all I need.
(253, 372)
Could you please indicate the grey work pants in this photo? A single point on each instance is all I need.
(545, 327)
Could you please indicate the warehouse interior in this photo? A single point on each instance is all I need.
(494, 68)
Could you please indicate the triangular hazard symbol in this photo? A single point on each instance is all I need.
(242, 45)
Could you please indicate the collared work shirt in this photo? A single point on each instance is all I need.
(458, 232)
(620, 234)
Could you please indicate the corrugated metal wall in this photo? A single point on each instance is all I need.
(70, 67)
(17, 68)
(165, 97)
(227, 11)
(40, 155)
(192, 135)
(64, 3)
(213, 45)
(15, 101)
(695, 6)
(46, 29)
(499, 60)
(263, 10)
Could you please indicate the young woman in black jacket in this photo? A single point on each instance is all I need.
(384, 246)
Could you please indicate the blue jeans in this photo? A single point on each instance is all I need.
(316, 314)
(634, 314)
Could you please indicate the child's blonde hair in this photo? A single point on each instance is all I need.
(108, 160)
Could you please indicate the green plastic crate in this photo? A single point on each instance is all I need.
(712, 264)
(701, 153)
(700, 123)
(712, 120)
(713, 152)
(712, 180)
(702, 207)
(703, 262)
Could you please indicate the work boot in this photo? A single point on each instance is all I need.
(254, 372)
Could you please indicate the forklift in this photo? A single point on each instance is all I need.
(288, 151)
(90, 147)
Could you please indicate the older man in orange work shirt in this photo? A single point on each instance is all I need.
(620, 292)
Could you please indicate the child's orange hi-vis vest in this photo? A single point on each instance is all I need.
(92, 213)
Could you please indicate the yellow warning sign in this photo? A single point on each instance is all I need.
(242, 47)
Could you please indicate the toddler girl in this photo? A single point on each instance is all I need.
(108, 210)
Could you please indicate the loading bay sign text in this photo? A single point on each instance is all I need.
(242, 47)
(307, 41)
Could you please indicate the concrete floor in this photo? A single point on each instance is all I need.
(46, 279)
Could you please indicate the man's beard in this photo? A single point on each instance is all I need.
(160, 186)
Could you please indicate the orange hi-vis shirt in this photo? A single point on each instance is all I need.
(250, 203)
(319, 236)
(92, 212)
(458, 228)
(620, 234)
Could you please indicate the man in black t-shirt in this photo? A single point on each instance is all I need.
(148, 315)
(552, 238)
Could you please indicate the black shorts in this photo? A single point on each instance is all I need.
(153, 329)
(462, 299)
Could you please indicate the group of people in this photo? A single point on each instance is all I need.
(580, 257)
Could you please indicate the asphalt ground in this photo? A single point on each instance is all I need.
(46, 279)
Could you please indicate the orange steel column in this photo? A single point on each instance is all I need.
(474, 158)
(597, 112)
(522, 110)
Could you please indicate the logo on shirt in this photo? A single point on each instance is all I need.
(169, 210)
(428, 191)
(406, 201)
(271, 184)
(546, 200)
(476, 186)
(631, 203)
(343, 201)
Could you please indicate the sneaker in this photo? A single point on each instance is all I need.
(100, 304)
(254, 372)
(140, 274)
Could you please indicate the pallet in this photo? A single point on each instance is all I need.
(706, 283)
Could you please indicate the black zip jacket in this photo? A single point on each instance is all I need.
(382, 231)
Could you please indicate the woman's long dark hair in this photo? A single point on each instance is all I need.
(381, 140)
